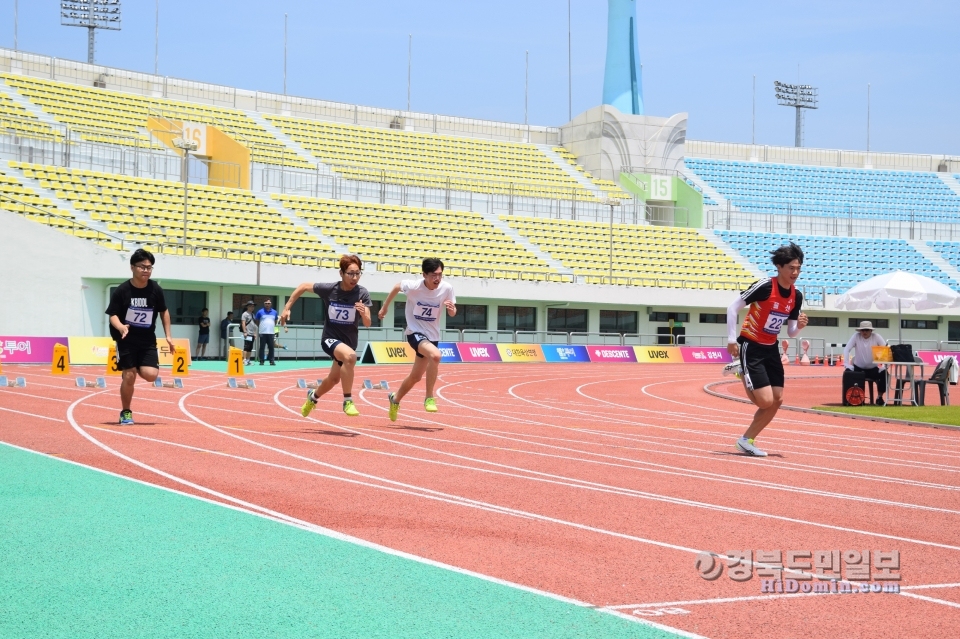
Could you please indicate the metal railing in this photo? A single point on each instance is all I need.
(820, 157)
(60, 222)
(479, 272)
(151, 85)
(845, 221)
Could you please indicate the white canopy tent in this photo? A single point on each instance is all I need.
(898, 290)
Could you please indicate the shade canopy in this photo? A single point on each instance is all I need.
(898, 290)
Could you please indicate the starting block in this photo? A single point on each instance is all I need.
(20, 382)
(176, 383)
(302, 383)
(100, 382)
(369, 385)
(243, 383)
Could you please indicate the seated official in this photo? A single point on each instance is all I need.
(863, 342)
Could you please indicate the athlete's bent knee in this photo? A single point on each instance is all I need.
(350, 359)
(148, 374)
(434, 358)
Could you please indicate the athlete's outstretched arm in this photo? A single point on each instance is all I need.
(300, 290)
(733, 324)
(165, 318)
(386, 303)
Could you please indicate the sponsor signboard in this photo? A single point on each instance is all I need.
(564, 353)
(658, 354)
(389, 353)
(20, 349)
(449, 353)
(705, 355)
(520, 352)
(611, 354)
(933, 358)
(470, 352)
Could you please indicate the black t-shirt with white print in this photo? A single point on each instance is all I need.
(341, 319)
(138, 308)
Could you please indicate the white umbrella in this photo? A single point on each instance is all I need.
(897, 290)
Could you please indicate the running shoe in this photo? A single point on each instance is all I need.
(126, 418)
(394, 408)
(308, 405)
(746, 446)
(732, 369)
(350, 409)
(430, 405)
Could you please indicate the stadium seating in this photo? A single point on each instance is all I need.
(830, 191)
(638, 251)
(15, 119)
(121, 118)
(950, 251)
(404, 235)
(362, 152)
(150, 212)
(837, 263)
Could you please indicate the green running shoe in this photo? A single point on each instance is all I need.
(309, 405)
(394, 408)
(350, 409)
(430, 405)
(126, 418)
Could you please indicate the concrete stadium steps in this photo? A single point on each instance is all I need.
(936, 258)
(732, 253)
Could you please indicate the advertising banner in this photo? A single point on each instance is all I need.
(18, 349)
(658, 354)
(564, 353)
(91, 350)
(389, 353)
(448, 352)
(705, 355)
(611, 354)
(520, 352)
(931, 357)
(478, 352)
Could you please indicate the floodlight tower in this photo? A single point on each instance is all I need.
(799, 96)
(93, 15)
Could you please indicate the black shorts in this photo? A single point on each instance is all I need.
(414, 339)
(761, 365)
(329, 344)
(131, 356)
(248, 344)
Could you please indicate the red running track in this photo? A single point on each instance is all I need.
(600, 483)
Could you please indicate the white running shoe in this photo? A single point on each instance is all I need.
(745, 445)
(732, 369)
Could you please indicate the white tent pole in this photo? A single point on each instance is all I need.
(900, 321)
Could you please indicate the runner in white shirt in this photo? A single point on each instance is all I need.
(427, 298)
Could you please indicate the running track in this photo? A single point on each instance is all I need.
(599, 483)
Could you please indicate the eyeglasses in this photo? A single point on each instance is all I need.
(145, 269)
(352, 273)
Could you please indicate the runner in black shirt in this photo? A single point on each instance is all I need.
(133, 310)
(346, 303)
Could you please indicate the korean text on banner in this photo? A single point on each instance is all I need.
(22, 349)
(166, 357)
(520, 352)
(564, 353)
(705, 355)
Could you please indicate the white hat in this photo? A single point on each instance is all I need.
(866, 325)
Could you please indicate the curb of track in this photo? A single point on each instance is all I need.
(708, 388)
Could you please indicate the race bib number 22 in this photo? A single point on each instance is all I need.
(774, 323)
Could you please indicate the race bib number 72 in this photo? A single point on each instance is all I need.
(140, 317)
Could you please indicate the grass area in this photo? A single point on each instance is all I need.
(947, 415)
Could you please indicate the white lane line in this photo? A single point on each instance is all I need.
(782, 464)
(942, 602)
(20, 412)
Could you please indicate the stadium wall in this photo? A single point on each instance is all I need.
(55, 284)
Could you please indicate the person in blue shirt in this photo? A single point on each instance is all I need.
(266, 319)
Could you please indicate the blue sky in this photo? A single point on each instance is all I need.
(698, 57)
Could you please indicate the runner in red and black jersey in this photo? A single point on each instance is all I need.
(773, 302)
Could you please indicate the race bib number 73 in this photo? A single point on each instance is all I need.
(342, 313)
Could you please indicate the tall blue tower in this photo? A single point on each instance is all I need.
(622, 84)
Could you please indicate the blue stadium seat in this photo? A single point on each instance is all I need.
(839, 263)
(824, 191)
